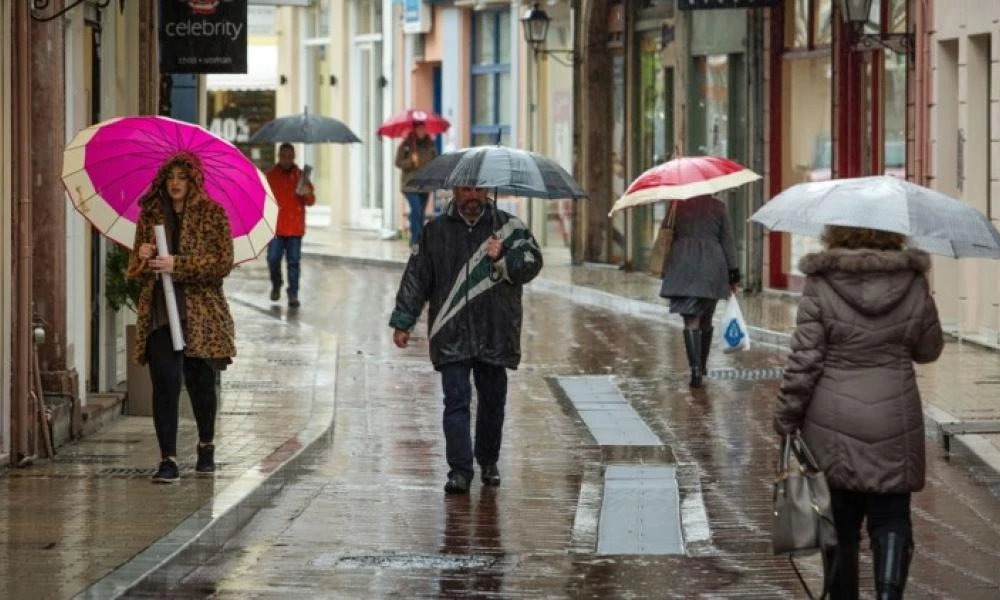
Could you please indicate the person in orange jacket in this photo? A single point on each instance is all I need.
(284, 179)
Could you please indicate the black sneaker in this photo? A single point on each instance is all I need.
(491, 475)
(457, 484)
(167, 473)
(206, 459)
(275, 294)
(293, 301)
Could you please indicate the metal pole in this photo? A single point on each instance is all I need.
(22, 419)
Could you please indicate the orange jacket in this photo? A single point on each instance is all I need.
(291, 208)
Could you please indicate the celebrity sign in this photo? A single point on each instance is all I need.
(203, 36)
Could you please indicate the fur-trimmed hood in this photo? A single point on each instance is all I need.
(195, 170)
(872, 281)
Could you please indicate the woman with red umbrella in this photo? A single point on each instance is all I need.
(417, 149)
(701, 267)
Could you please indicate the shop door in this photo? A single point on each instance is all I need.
(652, 142)
(368, 115)
(718, 126)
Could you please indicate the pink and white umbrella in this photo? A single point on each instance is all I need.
(682, 178)
(108, 167)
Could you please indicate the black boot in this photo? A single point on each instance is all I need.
(892, 553)
(843, 560)
(706, 347)
(692, 343)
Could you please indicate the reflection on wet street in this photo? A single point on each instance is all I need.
(367, 517)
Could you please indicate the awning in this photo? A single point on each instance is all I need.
(262, 72)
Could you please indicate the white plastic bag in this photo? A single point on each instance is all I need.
(735, 335)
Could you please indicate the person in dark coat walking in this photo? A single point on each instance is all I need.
(865, 317)
(700, 270)
(470, 265)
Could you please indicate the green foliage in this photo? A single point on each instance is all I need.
(117, 289)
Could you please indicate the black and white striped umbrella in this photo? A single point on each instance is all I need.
(500, 169)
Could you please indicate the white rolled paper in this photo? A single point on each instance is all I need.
(176, 333)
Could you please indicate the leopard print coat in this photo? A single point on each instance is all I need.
(204, 258)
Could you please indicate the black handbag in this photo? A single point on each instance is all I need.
(803, 516)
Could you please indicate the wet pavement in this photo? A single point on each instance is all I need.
(364, 516)
(90, 521)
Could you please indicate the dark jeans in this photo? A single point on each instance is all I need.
(418, 207)
(882, 513)
(491, 391)
(291, 246)
(166, 367)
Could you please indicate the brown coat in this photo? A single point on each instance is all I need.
(865, 317)
(204, 259)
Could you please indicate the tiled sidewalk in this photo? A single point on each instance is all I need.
(90, 522)
(960, 386)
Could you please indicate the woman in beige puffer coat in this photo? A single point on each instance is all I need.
(866, 315)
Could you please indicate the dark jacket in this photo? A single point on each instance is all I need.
(471, 316)
(702, 260)
(865, 317)
(425, 151)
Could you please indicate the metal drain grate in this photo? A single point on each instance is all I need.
(761, 374)
(257, 384)
(239, 413)
(403, 561)
(88, 459)
(290, 362)
(136, 472)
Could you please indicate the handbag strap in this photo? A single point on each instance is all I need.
(671, 215)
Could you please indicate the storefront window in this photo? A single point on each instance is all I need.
(492, 105)
(808, 24)
(235, 115)
(369, 17)
(807, 154)
(319, 21)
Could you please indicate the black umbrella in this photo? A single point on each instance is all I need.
(305, 128)
(499, 168)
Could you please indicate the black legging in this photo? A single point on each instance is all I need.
(166, 367)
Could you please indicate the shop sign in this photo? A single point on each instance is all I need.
(203, 36)
(231, 129)
(710, 4)
(416, 16)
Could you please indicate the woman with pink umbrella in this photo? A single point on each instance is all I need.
(191, 206)
(200, 255)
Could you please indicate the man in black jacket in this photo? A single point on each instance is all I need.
(470, 265)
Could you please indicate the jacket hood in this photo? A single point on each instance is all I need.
(185, 159)
(871, 281)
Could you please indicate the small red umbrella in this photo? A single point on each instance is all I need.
(682, 178)
(402, 124)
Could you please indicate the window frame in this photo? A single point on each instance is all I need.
(495, 69)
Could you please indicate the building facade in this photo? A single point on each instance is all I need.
(964, 152)
(65, 66)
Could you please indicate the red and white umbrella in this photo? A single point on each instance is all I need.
(683, 178)
(400, 125)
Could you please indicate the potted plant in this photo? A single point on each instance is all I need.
(124, 293)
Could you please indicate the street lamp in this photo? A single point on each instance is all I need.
(856, 14)
(535, 23)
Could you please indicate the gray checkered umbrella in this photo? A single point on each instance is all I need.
(499, 169)
(933, 221)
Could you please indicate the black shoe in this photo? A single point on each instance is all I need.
(206, 459)
(457, 484)
(167, 473)
(275, 294)
(293, 301)
(491, 475)
(706, 347)
(692, 343)
(891, 553)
